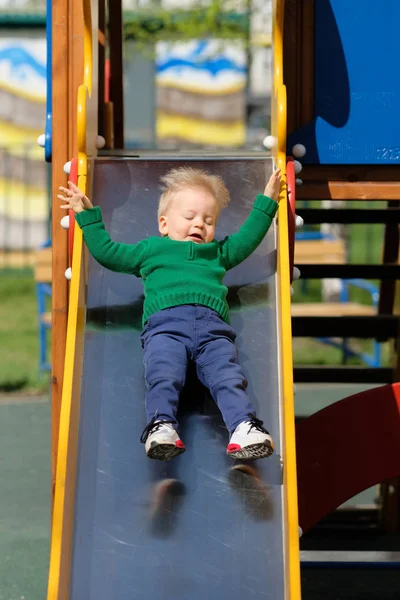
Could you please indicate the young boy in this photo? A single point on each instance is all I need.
(185, 315)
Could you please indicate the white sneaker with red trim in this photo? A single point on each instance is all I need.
(162, 441)
(250, 441)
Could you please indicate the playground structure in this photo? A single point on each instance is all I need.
(81, 340)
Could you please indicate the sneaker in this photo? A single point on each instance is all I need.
(161, 440)
(250, 440)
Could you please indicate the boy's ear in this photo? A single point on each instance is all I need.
(163, 225)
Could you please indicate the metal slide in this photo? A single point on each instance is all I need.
(216, 539)
(218, 544)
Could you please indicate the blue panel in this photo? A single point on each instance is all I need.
(357, 84)
(49, 75)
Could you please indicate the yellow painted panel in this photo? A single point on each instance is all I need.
(39, 98)
(15, 139)
(199, 131)
(202, 91)
(18, 201)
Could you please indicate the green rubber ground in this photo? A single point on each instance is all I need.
(24, 499)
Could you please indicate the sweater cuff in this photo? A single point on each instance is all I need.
(88, 217)
(266, 205)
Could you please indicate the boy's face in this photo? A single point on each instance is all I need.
(191, 217)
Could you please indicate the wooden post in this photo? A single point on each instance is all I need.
(390, 490)
(67, 73)
(101, 76)
(117, 70)
(298, 56)
(390, 255)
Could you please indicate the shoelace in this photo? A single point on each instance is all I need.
(153, 426)
(256, 423)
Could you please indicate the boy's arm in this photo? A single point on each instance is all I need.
(237, 247)
(123, 258)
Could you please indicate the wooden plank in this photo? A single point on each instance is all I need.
(338, 309)
(46, 318)
(338, 190)
(43, 273)
(341, 271)
(347, 216)
(360, 327)
(350, 173)
(319, 251)
(16, 259)
(318, 374)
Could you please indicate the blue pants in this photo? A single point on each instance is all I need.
(174, 336)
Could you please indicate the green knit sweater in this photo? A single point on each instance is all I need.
(174, 272)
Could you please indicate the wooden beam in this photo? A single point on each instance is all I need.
(290, 59)
(101, 75)
(298, 67)
(116, 70)
(352, 326)
(390, 255)
(66, 71)
(324, 374)
(350, 173)
(347, 216)
(306, 74)
(353, 271)
(338, 190)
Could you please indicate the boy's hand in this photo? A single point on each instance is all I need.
(273, 186)
(74, 199)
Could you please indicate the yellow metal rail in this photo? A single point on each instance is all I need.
(64, 499)
(279, 120)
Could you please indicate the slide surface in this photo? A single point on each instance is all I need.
(215, 548)
(216, 538)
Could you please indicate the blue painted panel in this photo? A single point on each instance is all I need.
(357, 84)
(49, 75)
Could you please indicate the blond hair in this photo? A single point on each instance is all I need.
(188, 177)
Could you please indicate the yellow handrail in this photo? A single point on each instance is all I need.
(279, 123)
(87, 45)
(64, 500)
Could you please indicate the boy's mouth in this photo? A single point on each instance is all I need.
(196, 237)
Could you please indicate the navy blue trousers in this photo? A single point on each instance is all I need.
(173, 337)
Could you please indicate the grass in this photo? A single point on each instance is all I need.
(19, 365)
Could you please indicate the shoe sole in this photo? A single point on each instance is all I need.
(167, 500)
(252, 492)
(255, 451)
(164, 452)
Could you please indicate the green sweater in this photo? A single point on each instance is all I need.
(174, 272)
